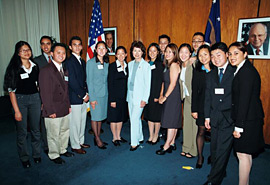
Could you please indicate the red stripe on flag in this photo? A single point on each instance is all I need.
(90, 52)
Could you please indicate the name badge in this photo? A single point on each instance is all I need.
(100, 66)
(219, 90)
(119, 69)
(24, 76)
(153, 67)
(66, 78)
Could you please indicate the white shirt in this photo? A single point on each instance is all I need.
(58, 66)
(118, 64)
(183, 79)
(239, 66)
(78, 57)
(254, 50)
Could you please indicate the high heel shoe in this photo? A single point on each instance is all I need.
(133, 148)
(153, 143)
(199, 166)
(173, 147)
(100, 147)
(162, 151)
(209, 160)
(116, 143)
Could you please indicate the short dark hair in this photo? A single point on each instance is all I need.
(155, 45)
(58, 44)
(108, 33)
(241, 46)
(46, 37)
(185, 45)
(74, 38)
(200, 34)
(118, 48)
(137, 44)
(198, 64)
(164, 36)
(220, 45)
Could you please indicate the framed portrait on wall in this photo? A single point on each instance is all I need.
(111, 39)
(255, 33)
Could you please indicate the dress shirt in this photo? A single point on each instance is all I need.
(119, 65)
(254, 50)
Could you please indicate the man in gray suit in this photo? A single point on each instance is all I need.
(42, 60)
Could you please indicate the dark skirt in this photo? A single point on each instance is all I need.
(200, 120)
(118, 114)
(152, 111)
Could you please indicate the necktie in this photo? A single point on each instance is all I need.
(220, 74)
(258, 51)
(62, 72)
(50, 60)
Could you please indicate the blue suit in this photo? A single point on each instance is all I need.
(141, 92)
(97, 82)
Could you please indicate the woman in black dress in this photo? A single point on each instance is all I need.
(152, 111)
(247, 110)
(202, 67)
(170, 97)
(117, 89)
(21, 81)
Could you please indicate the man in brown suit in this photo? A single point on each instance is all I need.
(53, 82)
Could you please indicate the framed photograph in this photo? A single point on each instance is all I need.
(255, 33)
(111, 39)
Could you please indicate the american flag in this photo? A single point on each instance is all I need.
(96, 32)
(245, 32)
(212, 31)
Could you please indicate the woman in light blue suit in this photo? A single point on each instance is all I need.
(139, 82)
(97, 75)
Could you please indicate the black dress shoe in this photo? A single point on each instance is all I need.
(67, 154)
(153, 143)
(134, 148)
(37, 160)
(173, 146)
(122, 140)
(209, 160)
(116, 143)
(58, 160)
(46, 151)
(141, 142)
(26, 164)
(103, 147)
(104, 143)
(162, 151)
(149, 142)
(199, 166)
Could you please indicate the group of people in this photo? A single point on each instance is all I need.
(217, 87)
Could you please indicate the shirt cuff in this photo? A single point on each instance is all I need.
(11, 90)
(238, 129)
(85, 96)
(208, 119)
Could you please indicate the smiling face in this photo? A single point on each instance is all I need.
(169, 55)
(184, 54)
(204, 56)
(218, 57)
(76, 47)
(101, 50)
(257, 35)
(109, 39)
(153, 52)
(59, 54)
(121, 55)
(197, 41)
(236, 56)
(163, 42)
(137, 54)
(46, 46)
(25, 52)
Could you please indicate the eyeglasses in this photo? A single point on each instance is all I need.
(197, 41)
(24, 51)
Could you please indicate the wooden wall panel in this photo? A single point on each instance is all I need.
(145, 20)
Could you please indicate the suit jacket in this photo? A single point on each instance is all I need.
(76, 80)
(41, 61)
(246, 103)
(53, 91)
(97, 79)
(142, 82)
(117, 83)
(215, 103)
(265, 49)
(198, 91)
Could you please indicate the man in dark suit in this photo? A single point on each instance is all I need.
(42, 60)
(257, 40)
(53, 83)
(163, 41)
(78, 95)
(217, 111)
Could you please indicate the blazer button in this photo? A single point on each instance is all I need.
(220, 100)
(60, 93)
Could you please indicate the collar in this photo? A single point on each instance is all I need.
(47, 56)
(118, 64)
(30, 69)
(58, 66)
(204, 69)
(254, 50)
(224, 67)
(239, 67)
(77, 56)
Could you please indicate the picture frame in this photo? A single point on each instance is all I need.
(111, 39)
(255, 33)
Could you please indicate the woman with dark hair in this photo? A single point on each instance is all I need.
(117, 89)
(202, 67)
(97, 76)
(189, 149)
(152, 111)
(21, 81)
(170, 97)
(247, 111)
(139, 82)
